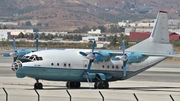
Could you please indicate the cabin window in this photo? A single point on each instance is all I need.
(85, 65)
(102, 66)
(52, 64)
(107, 66)
(57, 64)
(112, 67)
(117, 66)
(64, 64)
(69, 65)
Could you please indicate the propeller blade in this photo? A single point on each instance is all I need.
(83, 54)
(37, 44)
(14, 44)
(123, 47)
(14, 59)
(89, 65)
(6, 55)
(124, 67)
(93, 46)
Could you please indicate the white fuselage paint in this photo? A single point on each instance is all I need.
(51, 59)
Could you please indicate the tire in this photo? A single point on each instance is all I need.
(106, 85)
(38, 86)
(100, 85)
(95, 85)
(68, 84)
(77, 84)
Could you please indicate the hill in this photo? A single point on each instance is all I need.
(70, 14)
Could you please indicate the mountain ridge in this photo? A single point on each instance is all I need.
(67, 14)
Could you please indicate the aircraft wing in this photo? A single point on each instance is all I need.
(148, 54)
(118, 53)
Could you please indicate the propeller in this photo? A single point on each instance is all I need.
(91, 56)
(15, 53)
(37, 44)
(124, 58)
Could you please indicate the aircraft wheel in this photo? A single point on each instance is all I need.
(68, 84)
(95, 85)
(100, 85)
(77, 84)
(106, 85)
(38, 86)
(73, 84)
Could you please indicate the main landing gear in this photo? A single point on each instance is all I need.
(97, 85)
(73, 84)
(38, 85)
(101, 85)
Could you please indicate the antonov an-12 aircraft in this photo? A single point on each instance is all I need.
(100, 67)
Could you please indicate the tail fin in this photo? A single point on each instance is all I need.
(159, 38)
(159, 33)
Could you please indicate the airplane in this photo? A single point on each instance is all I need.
(98, 67)
(18, 54)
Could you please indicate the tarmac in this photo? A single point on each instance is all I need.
(155, 84)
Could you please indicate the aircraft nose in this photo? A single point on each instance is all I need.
(15, 66)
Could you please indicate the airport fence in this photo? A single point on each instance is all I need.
(37, 97)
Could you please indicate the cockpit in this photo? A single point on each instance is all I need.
(31, 58)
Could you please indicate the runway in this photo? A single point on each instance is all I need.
(155, 84)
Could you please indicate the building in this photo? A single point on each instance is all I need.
(139, 35)
(97, 31)
(174, 36)
(17, 31)
(96, 38)
(4, 36)
(143, 35)
(147, 26)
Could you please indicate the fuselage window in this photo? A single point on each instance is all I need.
(102, 66)
(112, 67)
(69, 65)
(64, 64)
(52, 64)
(57, 64)
(117, 67)
(107, 66)
(85, 65)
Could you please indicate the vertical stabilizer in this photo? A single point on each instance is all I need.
(159, 33)
(159, 38)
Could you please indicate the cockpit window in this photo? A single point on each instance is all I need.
(31, 58)
(40, 58)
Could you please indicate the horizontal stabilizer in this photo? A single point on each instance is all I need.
(161, 54)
